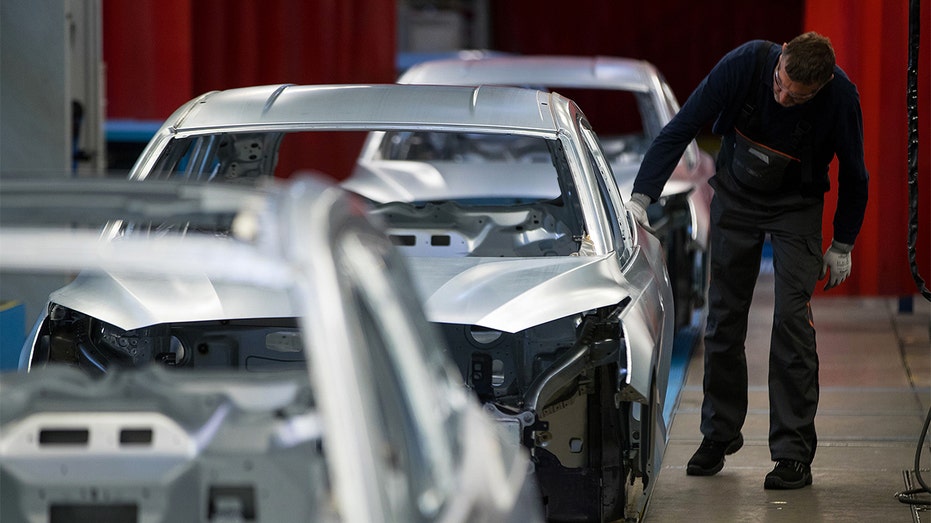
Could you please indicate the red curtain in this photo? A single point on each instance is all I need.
(161, 53)
(871, 42)
(244, 42)
(147, 48)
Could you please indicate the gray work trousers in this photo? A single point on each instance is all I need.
(739, 225)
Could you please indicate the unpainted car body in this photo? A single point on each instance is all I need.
(554, 304)
(234, 354)
(681, 216)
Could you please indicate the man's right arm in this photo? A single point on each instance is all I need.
(724, 83)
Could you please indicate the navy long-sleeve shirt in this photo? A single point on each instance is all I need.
(834, 115)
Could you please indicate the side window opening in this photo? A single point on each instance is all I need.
(225, 157)
(610, 195)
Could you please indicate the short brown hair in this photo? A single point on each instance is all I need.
(809, 59)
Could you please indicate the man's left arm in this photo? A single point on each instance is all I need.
(852, 191)
(852, 176)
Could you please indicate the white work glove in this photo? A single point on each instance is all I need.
(837, 258)
(637, 205)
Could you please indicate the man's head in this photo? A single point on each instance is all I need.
(809, 59)
(806, 64)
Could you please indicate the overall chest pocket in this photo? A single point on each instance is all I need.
(758, 166)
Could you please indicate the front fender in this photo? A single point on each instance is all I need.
(648, 321)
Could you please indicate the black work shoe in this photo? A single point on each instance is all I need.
(788, 474)
(708, 460)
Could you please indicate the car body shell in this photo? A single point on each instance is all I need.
(620, 270)
(657, 105)
(228, 442)
(287, 107)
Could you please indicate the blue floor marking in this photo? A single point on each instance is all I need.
(682, 346)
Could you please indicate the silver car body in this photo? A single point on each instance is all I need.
(376, 108)
(615, 267)
(226, 437)
(656, 104)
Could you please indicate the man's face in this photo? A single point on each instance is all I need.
(788, 93)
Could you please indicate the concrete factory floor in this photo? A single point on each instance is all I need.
(875, 368)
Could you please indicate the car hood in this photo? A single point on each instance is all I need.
(131, 302)
(513, 294)
(407, 181)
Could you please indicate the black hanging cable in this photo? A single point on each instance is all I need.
(912, 104)
(908, 496)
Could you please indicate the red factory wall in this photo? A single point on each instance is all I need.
(161, 53)
(871, 42)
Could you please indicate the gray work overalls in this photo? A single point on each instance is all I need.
(757, 193)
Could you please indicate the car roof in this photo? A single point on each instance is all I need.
(365, 107)
(602, 72)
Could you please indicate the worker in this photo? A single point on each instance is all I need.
(784, 113)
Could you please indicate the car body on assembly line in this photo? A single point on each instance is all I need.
(628, 102)
(233, 354)
(554, 304)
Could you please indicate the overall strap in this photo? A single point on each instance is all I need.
(802, 144)
(749, 117)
